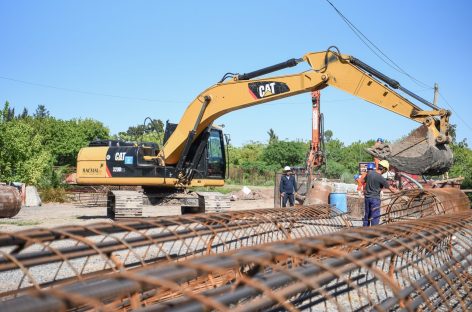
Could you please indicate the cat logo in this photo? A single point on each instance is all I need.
(120, 156)
(259, 90)
(267, 89)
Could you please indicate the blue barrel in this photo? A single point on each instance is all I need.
(339, 200)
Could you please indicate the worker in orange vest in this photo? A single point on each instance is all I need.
(359, 179)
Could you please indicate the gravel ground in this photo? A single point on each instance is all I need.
(52, 215)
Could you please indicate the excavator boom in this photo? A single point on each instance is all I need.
(427, 151)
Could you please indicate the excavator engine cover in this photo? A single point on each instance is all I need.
(418, 153)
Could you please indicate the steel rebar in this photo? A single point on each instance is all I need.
(42, 257)
(416, 264)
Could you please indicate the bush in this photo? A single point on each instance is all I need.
(347, 177)
(53, 195)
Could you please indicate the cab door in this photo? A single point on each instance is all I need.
(216, 158)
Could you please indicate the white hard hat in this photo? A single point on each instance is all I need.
(287, 168)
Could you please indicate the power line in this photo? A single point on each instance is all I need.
(83, 91)
(146, 99)
(395, 66)
(364, 38)
(165, 101)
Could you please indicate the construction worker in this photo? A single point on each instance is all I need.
(356, 177)
(360, 181)
(374, 182)
(288, 187)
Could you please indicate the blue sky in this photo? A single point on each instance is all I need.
(154, 57)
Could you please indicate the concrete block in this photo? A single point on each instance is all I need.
(32, 197)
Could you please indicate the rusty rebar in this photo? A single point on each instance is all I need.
(420, 203)
(417, 203)
(43, 257)
(414, 265)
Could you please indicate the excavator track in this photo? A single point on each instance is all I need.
(130, 203)
(125, 204)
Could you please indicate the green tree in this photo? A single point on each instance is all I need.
(328, 135)
(452, 132)
(334, 151)
(344, 160)
(41, 112)
(354, 153)
(64, 138)
(248, 153)
(273, 138)
(23, 157)
(334, 170)
(150, 132)
(8, 113)
(283, 153)
(462, 163)
(4, 115)
(31, 146)
(23, 114)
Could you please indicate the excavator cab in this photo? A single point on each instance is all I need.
(206, 156)
(216, 162)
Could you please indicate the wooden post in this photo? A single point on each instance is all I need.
(277, 203)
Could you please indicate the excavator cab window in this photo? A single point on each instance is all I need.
(149, 150)
(216, 154)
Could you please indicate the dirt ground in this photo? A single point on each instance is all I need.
(53, 215)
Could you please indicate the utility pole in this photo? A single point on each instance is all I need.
(436, 93)
(435, 103)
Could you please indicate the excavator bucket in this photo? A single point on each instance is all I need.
(418, 153)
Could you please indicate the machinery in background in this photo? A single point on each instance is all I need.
(305, 177)
(316, 156)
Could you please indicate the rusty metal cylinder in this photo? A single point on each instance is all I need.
(417, 204)
(318, 194)
(10, 201)
(452, 199)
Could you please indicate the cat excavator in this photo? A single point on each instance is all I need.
(193, 151)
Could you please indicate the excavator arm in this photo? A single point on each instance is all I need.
(328, 68)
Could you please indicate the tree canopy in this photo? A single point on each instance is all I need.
(153, 131)
(30, 146)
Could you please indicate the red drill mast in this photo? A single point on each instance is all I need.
(316, 154)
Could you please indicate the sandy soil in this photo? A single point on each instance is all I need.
(53, 215)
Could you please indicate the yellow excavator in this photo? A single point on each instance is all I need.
(193, 153)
